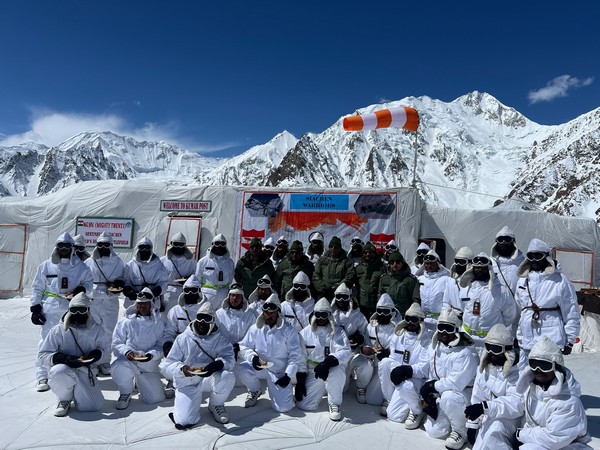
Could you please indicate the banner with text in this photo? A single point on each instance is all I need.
(121, 230)
(296, 215)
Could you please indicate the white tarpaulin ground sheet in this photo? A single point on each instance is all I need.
(27, 420)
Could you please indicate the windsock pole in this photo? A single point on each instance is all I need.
(416, 146)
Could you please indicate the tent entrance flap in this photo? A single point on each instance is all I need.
(190, 227)
(13, 238)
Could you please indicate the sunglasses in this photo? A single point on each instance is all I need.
(190, 290)
(541, 365)
(219, 244)
(342, 297)
(321, 314)
(430, 258)
(481, 261)
(146, 295)
(422, 252)
(104, 245)
(461, 262)
(64, 245)
(383, 311)
(446, 328)
(300, 287)
(178, 244)
(206, 318)
(79, 310)
(536, 256)
(263, 283)
(504, 239)
(356, 242)
(412, 319)
(391, 247)
(270, 307)
(496, 349)
(144, 247)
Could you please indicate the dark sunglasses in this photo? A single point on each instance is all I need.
(79, 310)
(447, 328)
(429, 258)
(206, 318)
(412, 319)
(144, 247)
(317, 242)
(356, 242)
(461, 262)
(178, 244)
(64, 245)
(504, 239)
(391, 247)
(536, 256)
(481, 261)
(190, 290)
(383, 311)
(342, 297)
(496, 349)
(270, 307)
(219, 244)
(147, 295)
(263, 282)
(422, 252)
(541, 365)
(300, 287)
(321, 314)
(103, 245)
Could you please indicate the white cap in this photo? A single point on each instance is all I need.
(423, 246)
(206, 308)
(65, 238)
(499, 335)
(415, 310)
(219, 238)
(449, 316)
(179, 237)
(547, 350)
(343, 289)
(145, 241)
(80, 300)
(316, 236)
(323, 305)
(142, 298)
(105, 237)
(274, 299)
(79, 240)
(301, 278)
(505, 231)
(464, 253)
(537, 245)
(192, 281)
(385, 301)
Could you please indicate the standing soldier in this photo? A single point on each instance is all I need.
(401, 285)
(215, 272)
(180, 264)
(368, 276)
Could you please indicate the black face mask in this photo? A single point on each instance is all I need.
(104, 251)
(460, 269)
(481, 275)
(505, 251)
(191, 299)
(383, 319)
(219, 251)
(145, 254)
(300, 295)
(79, 319)
(178, 250)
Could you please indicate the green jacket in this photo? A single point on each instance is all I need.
(368, 275)
(331, 272)
(286, 272)
(403, 287)
(248, 275)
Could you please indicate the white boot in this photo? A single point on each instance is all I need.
(334, 412)
(455, 441)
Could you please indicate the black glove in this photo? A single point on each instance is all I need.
(383, 354)
(167, 346)
(400, 374)
(473, 412)
(284, 381)
(78, 290)
(322, 369)
(118, 283)
(517, 437)
(37, 316)
(256, 363)
(62, 358)
(431, 409)
(428, 391)
(328, 293)
(213, 367)
(300, 390)
(356, 339)
(236, 350)
(568, 349)
(156, 290)
(472, 435)
(129, 293)
(96, 354)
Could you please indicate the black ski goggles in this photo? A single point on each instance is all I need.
(79, 310)
(461, 261)
(178, 244)
(219, 244)
(412, 319)
(144, 247)
(356, 241)
(383, 311)
(104, 245)
(146, 295)
(505, 239)
(191, 290)
(481, 261)
(282, 243)
(536, 256)
(269, 248)
(322, 314)
(430, 258)
(300, 286)
(391, 248)
(206, 318)
(446, 328)
(64, 245)
(342, 297)
(263, 283)
(235, 286)
(541, 365)
(422, 252)
(270, 307)
(496, 349)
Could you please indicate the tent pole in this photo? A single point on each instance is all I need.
(414, 180)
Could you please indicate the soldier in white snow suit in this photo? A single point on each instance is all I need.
(435, 282)
(107, 271)
(452, 368)
(554, 415)
(145, 271)
(422, 250)
(548, 302)
(200, 360)
(298, 304)
(507, 259)
(235, 318)
(137, 344)
(72, 349)
(380, 331)
(80, 250)
(495, 407)
(215, 272)
(326, 352)
(406, 369)
(271, 352)
(280, 252)
(264, 289)
(484, 302)
(462, 262)
(180, 264)
(56, 281)
(316, 246)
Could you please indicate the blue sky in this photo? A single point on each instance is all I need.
(220, 77)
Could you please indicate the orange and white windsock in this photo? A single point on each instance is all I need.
(400, 117)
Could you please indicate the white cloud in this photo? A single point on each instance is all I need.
(558, 87)
(52, 128)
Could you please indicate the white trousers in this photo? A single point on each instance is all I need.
(75, 384)
(402, 398)
(282, 399)
(53, 312)
(188, 396)
(145, 374)
(366, 373)
(451, 415)
(315, 388)
(496, 434)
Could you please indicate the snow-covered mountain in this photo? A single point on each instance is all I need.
(473, 152)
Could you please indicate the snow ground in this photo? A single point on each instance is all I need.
(27, 420)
